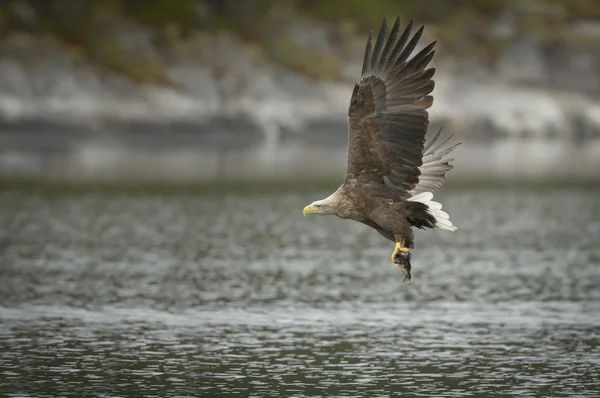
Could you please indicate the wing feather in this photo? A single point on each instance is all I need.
(435, 166)
(376, 56)
(390, 41)
(388, 119)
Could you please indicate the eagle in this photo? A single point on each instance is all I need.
(392, 170)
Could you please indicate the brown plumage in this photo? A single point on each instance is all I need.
(391, 172)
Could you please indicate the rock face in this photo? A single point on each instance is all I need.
(208, 79)
(529, 90)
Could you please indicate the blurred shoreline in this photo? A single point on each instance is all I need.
(518, 85)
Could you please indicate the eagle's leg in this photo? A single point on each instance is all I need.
(401, 257)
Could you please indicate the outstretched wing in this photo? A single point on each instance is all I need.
(388, 118)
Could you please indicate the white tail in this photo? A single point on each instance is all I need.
(442, 219)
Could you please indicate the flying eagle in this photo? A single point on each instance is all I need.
(392, 172)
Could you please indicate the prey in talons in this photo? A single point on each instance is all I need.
(401, 257)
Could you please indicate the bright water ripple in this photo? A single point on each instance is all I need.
(229, 294)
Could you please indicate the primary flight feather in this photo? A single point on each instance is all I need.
(391, 172)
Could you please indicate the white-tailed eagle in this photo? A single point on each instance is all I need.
(392, 172)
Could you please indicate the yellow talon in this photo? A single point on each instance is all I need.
(398, 249)
(401, 257)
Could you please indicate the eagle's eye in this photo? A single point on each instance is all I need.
(317, 205)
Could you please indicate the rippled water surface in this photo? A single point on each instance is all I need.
(230, 293)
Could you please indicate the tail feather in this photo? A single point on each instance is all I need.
(442, 219)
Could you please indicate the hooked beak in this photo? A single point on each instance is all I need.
(309, 210)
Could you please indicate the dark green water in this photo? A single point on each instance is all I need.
(231, 294)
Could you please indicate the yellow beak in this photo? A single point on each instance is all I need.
(308, 210)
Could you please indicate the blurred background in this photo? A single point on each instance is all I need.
(213, 90)
(155, 157)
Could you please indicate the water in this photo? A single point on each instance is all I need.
(179, 156)
(229, 293)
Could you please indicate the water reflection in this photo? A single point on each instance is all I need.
(514, 158)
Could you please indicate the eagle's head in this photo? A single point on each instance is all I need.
(329, 205)
(320, 207)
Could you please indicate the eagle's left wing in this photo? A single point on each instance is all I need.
(435, 165)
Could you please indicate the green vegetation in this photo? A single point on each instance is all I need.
(286, 52)
(366, 14)
(464, 26)
(111, 55)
